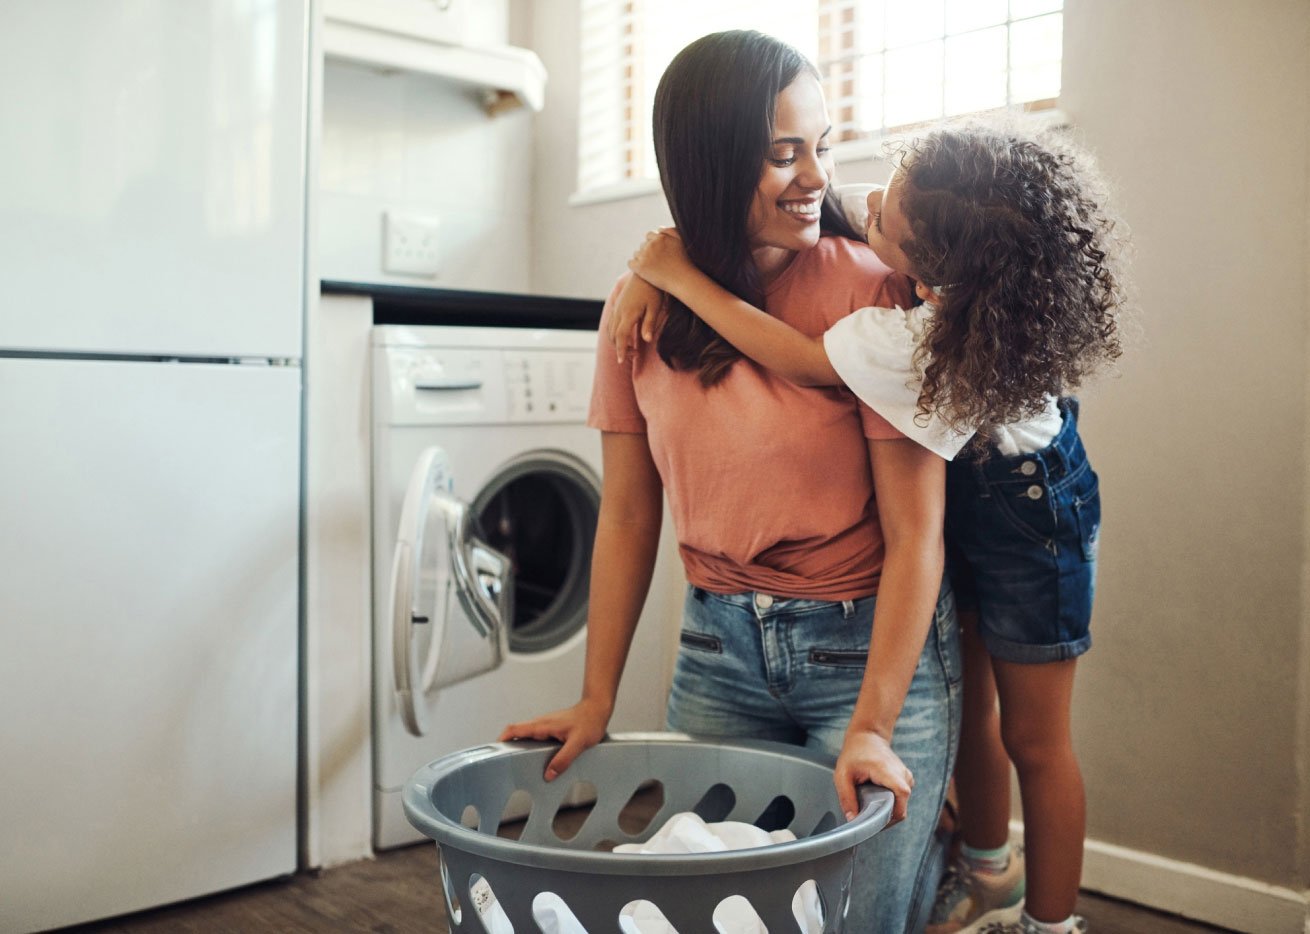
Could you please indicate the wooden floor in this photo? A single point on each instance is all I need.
(399, 892)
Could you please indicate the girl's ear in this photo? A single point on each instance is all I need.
(927, 294)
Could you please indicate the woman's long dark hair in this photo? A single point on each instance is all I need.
(713, 129)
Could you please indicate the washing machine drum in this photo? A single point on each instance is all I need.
(540, 511)
(508, 573)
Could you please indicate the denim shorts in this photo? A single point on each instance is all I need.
(755, 666)
(1021, 538)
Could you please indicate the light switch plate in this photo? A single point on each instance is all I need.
(410, 244)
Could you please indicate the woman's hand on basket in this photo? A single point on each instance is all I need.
(867, 757)
(578, 727)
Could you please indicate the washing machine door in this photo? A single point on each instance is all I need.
(451, 592)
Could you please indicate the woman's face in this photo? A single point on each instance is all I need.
(784, 214)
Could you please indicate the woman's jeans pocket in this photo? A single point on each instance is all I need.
(701, 642)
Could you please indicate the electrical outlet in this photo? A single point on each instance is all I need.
(410, 244)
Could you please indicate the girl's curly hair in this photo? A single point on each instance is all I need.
(1012, 229)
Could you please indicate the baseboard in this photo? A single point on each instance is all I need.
(1190, 890)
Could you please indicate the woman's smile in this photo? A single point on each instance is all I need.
(805, 210)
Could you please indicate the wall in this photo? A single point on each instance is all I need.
(1189, 730)
(576, 251)
(417, 143)
(1192, 712)
(425, 145)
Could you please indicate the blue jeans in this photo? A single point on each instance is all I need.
(759, 667)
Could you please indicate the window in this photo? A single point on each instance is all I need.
(886, 64)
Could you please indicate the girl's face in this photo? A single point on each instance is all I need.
(784, 214)
(888, 225)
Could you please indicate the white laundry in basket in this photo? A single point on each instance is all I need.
(682, 833)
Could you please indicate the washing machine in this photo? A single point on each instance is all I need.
(486, 490)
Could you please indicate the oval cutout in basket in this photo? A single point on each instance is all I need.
(641, 808)
(470, 817)
(454, 908)
(568, 820)
(778, 815)
(515, 815)
(716, 804)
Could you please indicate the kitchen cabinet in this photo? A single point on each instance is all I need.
(435, 37)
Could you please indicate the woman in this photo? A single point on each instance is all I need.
(801, 515)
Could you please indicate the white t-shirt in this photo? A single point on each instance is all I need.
(872, 350)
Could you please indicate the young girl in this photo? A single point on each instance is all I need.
(1014, 257)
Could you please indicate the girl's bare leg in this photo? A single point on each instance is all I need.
(982, 769)
(1035, 729)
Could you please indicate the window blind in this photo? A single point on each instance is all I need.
(886, 64)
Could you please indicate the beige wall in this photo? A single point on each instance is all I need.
(1303, 710)
(1193, 710)
(1188, 715)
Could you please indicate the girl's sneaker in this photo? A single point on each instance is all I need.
(1020, 926)
(965, 896)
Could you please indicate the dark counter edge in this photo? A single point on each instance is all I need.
(400, 304)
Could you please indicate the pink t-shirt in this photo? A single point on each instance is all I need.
(769, 483)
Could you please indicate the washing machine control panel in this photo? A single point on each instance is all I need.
(548, 385)
(440, 386)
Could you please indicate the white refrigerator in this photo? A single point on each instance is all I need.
(152, 287)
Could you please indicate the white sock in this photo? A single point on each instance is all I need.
(993, 861)
(1048, 927)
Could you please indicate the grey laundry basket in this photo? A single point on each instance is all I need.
(720, 781)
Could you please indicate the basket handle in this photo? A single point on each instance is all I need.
(875, 801)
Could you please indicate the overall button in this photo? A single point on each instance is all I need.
(1027, 468)
(763, 601)
(1034, 492)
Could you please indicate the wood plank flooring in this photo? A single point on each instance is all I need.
(399, 892)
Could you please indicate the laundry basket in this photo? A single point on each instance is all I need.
(737, 781)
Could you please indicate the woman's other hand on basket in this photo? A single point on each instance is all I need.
(867, 757)
(578, 727)
(639, 311)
